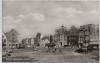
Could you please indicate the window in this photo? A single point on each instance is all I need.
(13, 34)
(4, 40)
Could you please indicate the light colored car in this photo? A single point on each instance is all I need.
(93, 46)
(28, 46)
(35, 49)
(10, 51)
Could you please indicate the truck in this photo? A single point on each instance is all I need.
(93, 45)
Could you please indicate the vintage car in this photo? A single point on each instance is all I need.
(93, 45)
(82, 50)
(10, 50)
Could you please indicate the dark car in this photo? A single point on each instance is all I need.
(82, 50)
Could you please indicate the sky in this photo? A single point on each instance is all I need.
(30, 17)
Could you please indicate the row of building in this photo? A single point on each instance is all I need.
(11, 40)
(73, 37)
(77, 36)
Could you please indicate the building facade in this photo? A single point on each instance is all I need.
(88, 33)
(4, 41)
(73, 36)
(12, 39)
(60, 36)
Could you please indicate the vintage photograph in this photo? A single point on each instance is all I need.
(50, 31)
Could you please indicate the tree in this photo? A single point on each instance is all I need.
(74, 36)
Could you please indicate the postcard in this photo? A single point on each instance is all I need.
(50, 31)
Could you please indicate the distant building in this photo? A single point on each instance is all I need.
(61, 36)
(81, 36)
(29, 42)
(4, 41)
(73, 36)
(88, 33)
(94, 33)
(44, 40)
(37, 39)
(12, 39)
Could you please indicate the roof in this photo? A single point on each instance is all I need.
(13, 30)
(6, 34)
(45, 37)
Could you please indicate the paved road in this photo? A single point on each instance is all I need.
(67, 55)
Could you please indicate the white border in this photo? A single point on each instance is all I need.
(36, 0)
(50, 0)
(99, 31)
(1, 31)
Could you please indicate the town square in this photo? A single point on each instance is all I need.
(40, 50)
(50, 31)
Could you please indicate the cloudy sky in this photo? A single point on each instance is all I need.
(30, 17)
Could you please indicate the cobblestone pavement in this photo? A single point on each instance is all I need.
(68, 55)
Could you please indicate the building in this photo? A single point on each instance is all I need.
(94, 36)
(37, 39)
(73, 36)
(44, 41)
(88, 33)
(81, 36)
(60, 36)
(12, 39)
(27, 42)
(4, 41)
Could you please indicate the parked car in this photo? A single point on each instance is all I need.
(82, 50)
(65, 45)
(5, 53)
(10, 50)
(21, 47)
(93, 46)
(35, 49)
(28, 46)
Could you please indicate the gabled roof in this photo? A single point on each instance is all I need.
(3, 34)
(13, 30)
(6, 34)
(45, 37)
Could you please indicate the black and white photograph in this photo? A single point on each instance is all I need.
(50, 31)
